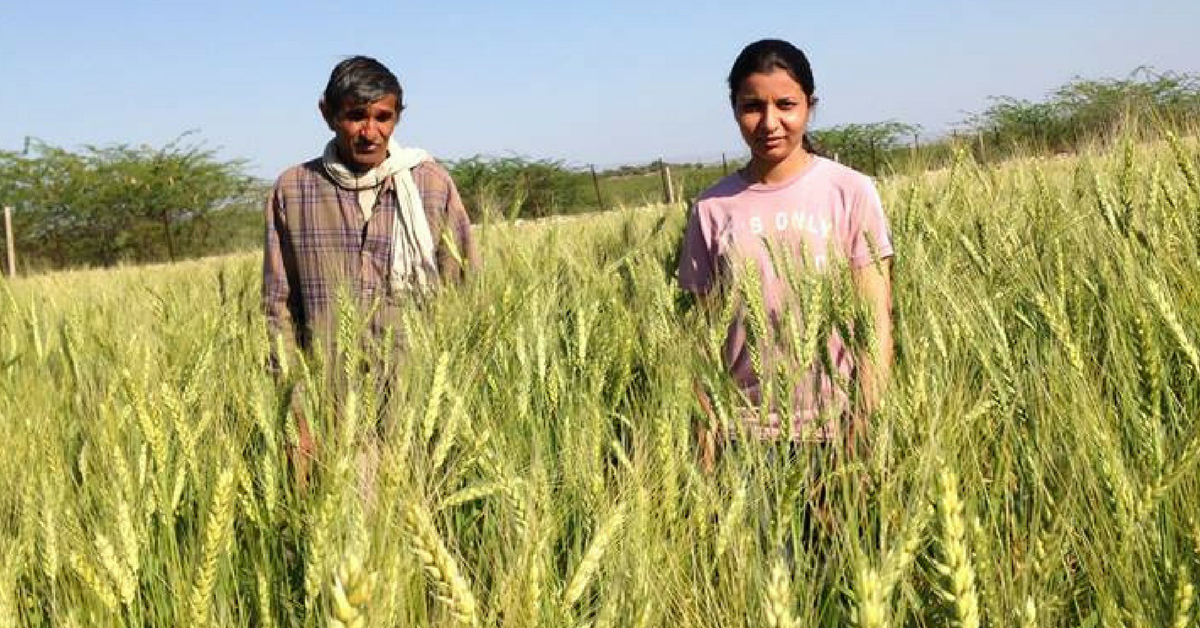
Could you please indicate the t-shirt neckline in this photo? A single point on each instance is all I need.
(771, 187)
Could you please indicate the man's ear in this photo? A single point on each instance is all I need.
(326, 114)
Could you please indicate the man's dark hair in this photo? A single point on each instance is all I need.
(360, 80)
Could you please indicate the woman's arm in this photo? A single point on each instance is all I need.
(695, 272)
(874, 285)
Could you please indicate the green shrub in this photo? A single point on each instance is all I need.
(116, 204)
(518, 187)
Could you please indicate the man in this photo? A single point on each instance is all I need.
(379, 221)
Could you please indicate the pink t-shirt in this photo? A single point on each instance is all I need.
(826, 216)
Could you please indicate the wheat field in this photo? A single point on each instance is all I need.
(1034, 462)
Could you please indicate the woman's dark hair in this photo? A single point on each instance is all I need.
(766, 55)
(358, 80)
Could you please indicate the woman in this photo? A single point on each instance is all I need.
(789, 204)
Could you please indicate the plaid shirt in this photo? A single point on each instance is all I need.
(317, 240)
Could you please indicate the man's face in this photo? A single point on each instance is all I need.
(363, 130)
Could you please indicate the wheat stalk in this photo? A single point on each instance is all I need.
(1185, 595)
(318, 549)
(94, 581)
(779, 598)
(438, 388)
(349, 593)
(957, 569)
(591, 558)
(266, 616)
(1029, 613)
(870, 599)
(899, 559)
(120, 574)
(450, 431)
(1159, 298)
(440, 567)
(49, 533)
(216, 529)
(732, 521)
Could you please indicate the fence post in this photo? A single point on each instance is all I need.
(724, 166)
(8, 239)
(668, 189)
(670, 185)
(596, 185)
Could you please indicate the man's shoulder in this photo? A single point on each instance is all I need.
(300, 175)
(433, 171)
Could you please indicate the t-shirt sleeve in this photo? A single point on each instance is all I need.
(696, 260)
(870, 237)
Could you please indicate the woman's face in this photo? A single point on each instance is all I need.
(772, 113)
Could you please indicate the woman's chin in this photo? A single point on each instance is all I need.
(772, 157)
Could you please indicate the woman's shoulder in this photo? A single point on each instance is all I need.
(729, 185)
(842, 175)
(844, 178)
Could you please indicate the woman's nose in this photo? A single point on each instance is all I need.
(770, 119)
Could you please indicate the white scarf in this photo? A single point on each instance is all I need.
(413, 261)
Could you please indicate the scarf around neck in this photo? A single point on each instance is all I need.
(413, 261)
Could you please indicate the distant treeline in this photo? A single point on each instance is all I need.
(1079, 113)
(101, 206)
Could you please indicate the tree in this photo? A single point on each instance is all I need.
(106, 205)
(1087, 109)
(863, 146)
(528, 188)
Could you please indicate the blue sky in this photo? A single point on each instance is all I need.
(598, 82)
